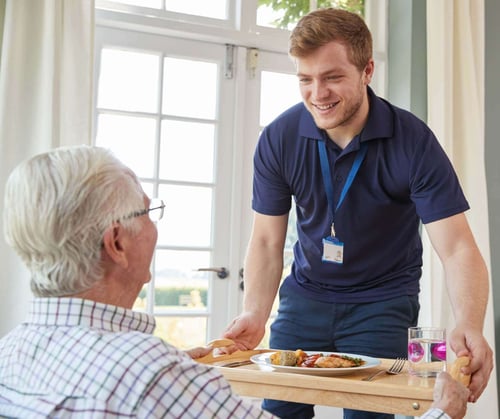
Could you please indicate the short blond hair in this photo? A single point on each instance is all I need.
(322, 26)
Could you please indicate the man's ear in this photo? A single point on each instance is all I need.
(368, 71)
(113, 244)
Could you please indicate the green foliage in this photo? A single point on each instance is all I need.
(294, 9)
(170, 296)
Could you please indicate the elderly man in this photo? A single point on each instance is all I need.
(82, 224)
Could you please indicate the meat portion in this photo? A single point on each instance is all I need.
(334, 361)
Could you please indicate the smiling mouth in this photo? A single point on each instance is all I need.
(325, 107)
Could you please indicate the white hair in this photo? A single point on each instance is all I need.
(57, 207)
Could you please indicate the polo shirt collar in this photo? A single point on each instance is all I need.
(380, 123)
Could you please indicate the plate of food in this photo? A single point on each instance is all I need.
(314, 362)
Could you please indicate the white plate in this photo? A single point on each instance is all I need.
(264, 362)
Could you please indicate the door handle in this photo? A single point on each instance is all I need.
(242, 279)
(222, 272)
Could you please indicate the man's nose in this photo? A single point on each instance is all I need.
(319, 90)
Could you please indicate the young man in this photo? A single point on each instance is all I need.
(82, 224)
(363, 175)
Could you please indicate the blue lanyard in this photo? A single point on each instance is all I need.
(327, 179)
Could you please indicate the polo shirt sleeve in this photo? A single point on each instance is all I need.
(271, 193)
(434, 185)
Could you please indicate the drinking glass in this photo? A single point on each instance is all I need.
(426, 351)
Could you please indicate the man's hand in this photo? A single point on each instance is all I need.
(246, 330)
(474, 345)
(198, 352)
(450, 396)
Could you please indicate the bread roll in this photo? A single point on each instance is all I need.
(456, 372)
(286, 358)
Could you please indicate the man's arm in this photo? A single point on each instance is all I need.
(468, 288)
(263, 271)
(264, 263)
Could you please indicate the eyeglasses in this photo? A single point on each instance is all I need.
(155, 211)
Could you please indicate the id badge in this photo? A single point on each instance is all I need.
(333, 250)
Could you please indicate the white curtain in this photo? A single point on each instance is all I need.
(46, 72)
(455, 45)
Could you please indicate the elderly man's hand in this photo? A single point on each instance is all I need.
(198, 352)
(450, 396)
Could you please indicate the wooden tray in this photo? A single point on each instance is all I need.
(224, 359)
(398, 394)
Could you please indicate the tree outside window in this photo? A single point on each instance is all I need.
(290, 11)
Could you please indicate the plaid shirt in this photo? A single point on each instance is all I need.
(434, 413)
(79, 358)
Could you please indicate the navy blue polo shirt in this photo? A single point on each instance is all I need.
(405, 178)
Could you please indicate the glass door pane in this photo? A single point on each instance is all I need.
(137, 71)
(279, 91)
(177, 160)
(185, 80)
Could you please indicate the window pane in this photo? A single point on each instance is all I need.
(182, 332)
(285, 15)
(148, 187)
(140, 303)
(179, 267)
(188, 217)
(279, 91)
(178, 283)
(128, 81)
(268, 17)
(131, 139)
(187, 151)
(194, 96)
(178, 286)
(214, 8)
(154, 4)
